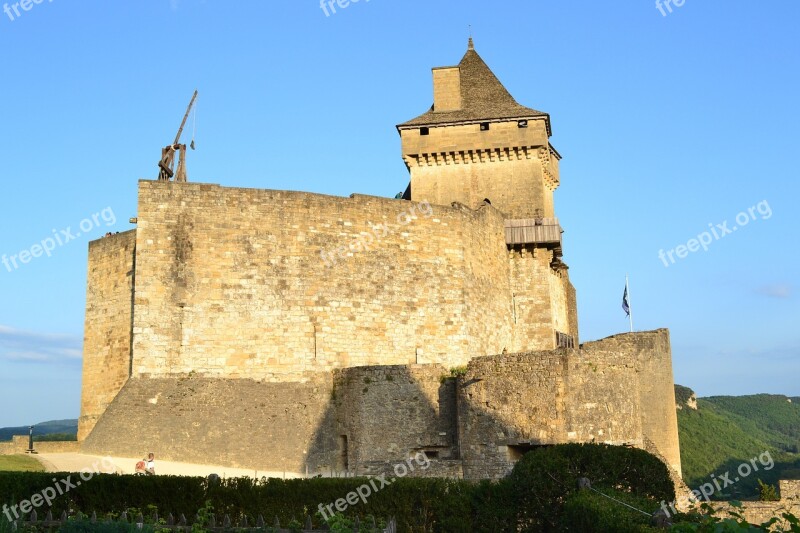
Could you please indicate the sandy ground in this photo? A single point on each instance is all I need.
(75, 462)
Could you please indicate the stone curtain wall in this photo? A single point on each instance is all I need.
(269, 427)
(653, 359)
(263, 322)
(509, 399)
(603, 399)
(514, 402)
(107, 332)
(386, 414)
(365, 420)
(231, 283)
(604, 392)
(390, 413)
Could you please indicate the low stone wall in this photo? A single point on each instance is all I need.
(57, 447)
(19, 444)
(760, 512)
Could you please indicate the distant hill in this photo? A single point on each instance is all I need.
(778, 417)
(43, 428)
(719, 433)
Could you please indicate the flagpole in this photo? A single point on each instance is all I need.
(630, 305)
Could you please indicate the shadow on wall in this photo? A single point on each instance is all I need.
(366, 420)
(379, 417)
(352, 421)
(360, 420)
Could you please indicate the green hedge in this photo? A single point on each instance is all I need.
(418, 504)
(589, 511)
(537, 496)
(544, 479)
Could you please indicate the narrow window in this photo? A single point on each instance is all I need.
(522, 123)
(424, 131)
(564, 341)
(484, 126)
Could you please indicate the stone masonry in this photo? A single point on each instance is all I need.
(761, 512)
(297, 333)
(363, 420)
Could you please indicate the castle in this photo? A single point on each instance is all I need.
(305, 334)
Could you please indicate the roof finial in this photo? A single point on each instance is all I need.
(471, 45)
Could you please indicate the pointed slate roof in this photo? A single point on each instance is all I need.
(483, 98)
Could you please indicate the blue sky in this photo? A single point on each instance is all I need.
(666, 123)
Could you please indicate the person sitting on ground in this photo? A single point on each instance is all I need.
(146, 466)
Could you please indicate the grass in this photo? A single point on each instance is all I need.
(20, 463)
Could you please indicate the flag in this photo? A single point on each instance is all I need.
(626, 304)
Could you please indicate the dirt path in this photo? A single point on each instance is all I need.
(75, 462)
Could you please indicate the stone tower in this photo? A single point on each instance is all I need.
(476, 144)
